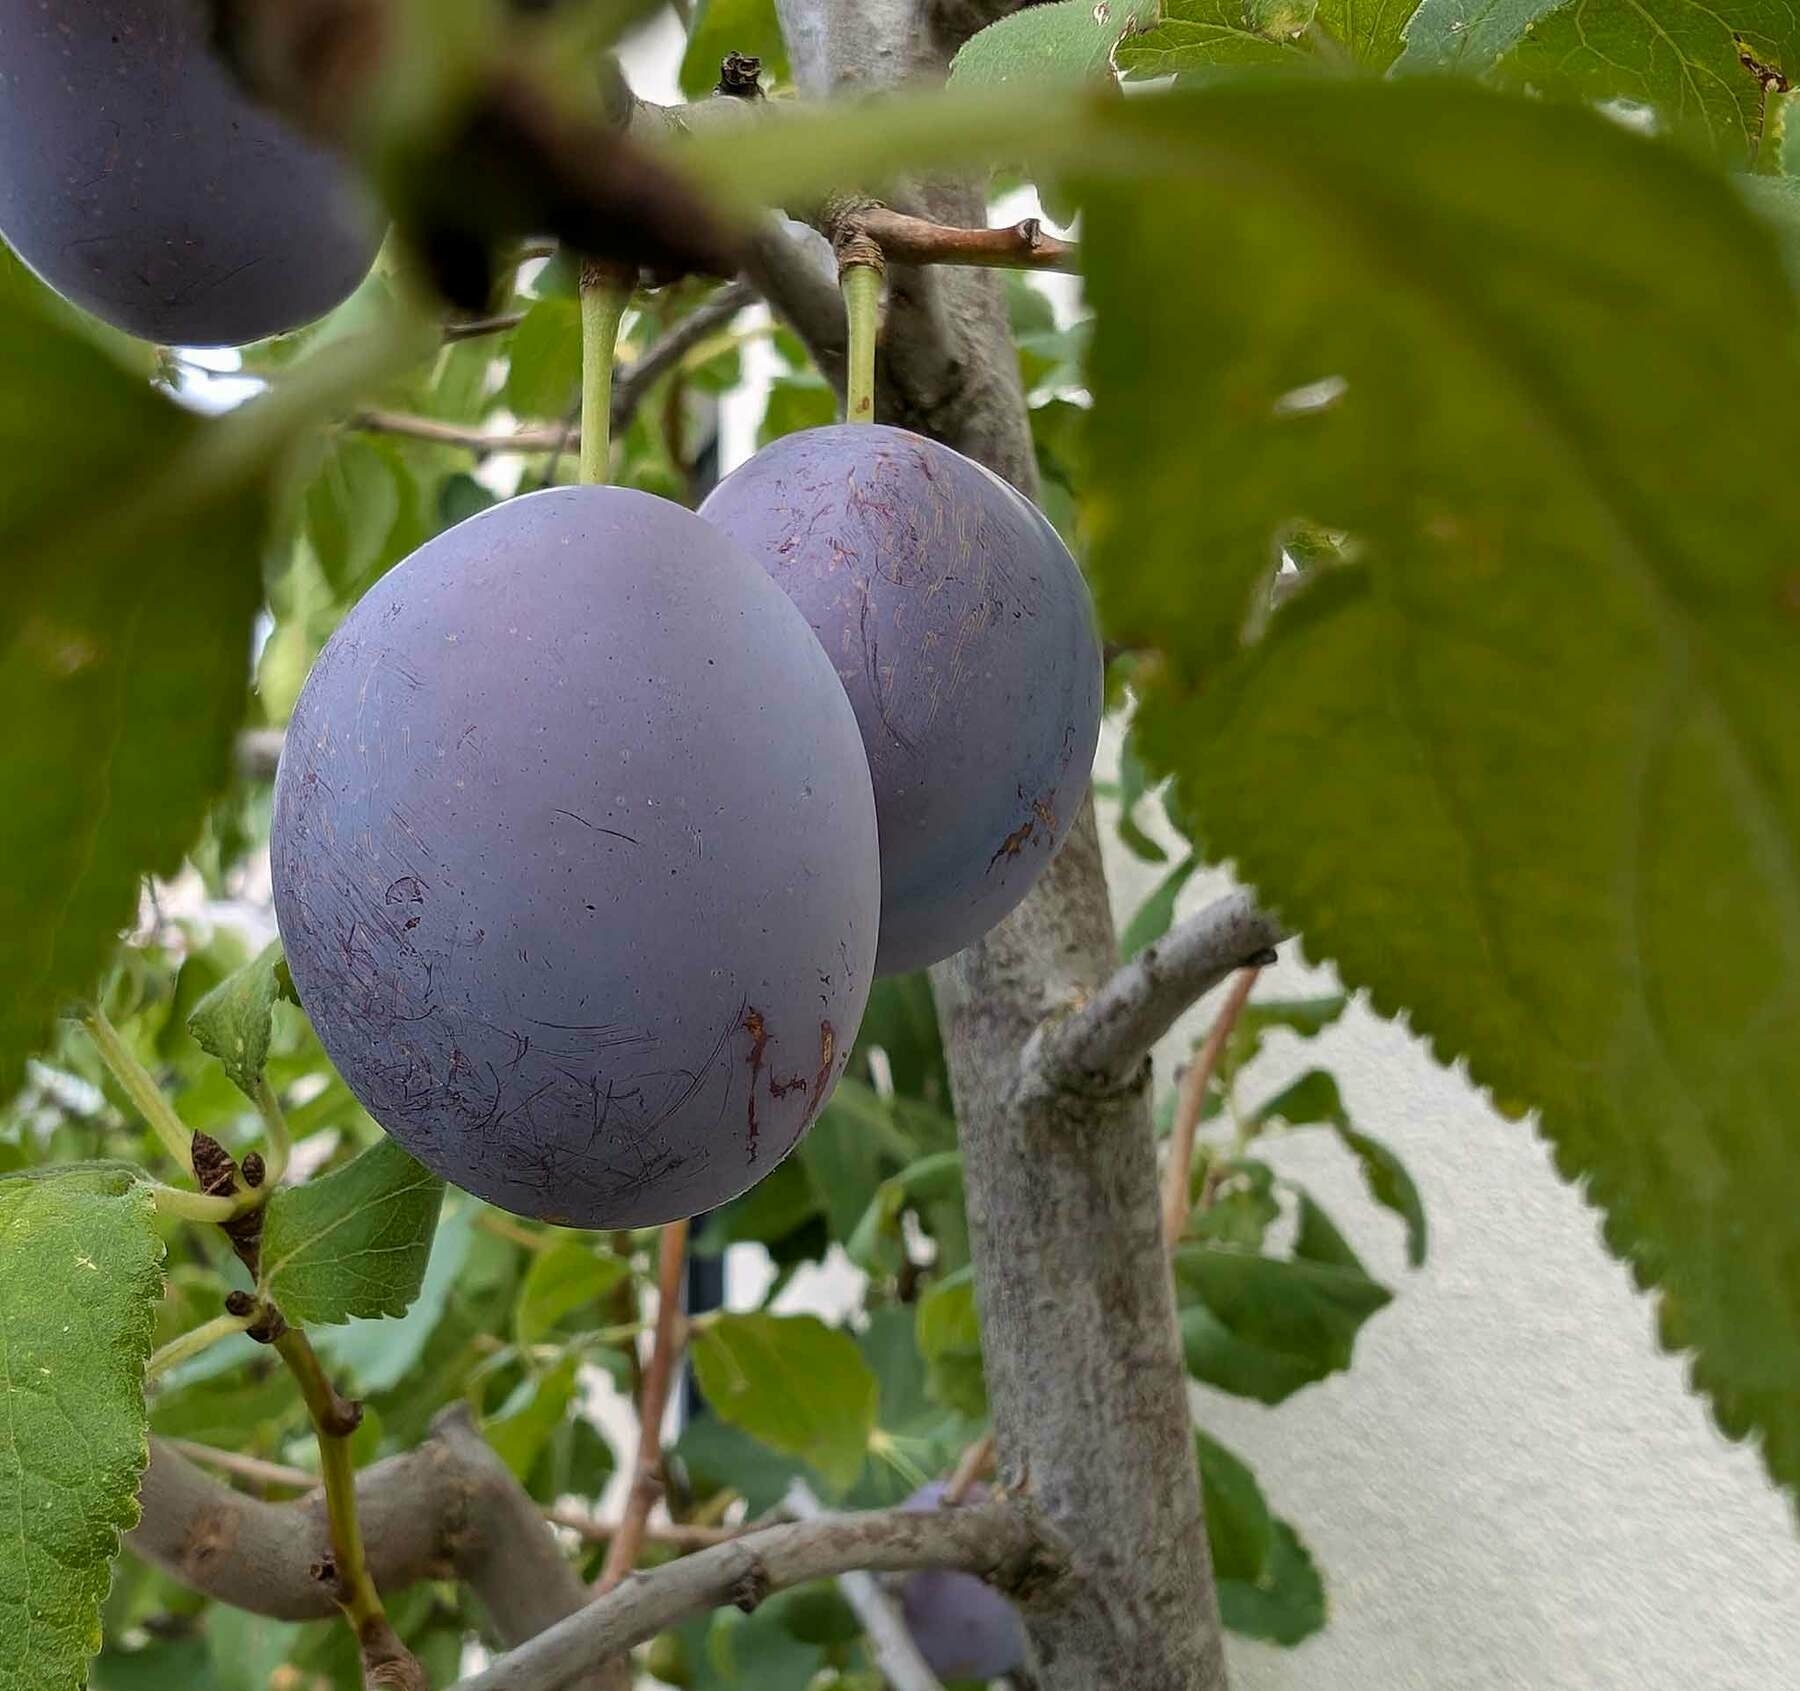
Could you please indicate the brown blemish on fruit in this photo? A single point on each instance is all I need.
(759, 1047)
(1043, 812)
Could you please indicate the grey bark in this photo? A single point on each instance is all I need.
(1084, 1372)
(1004, 1542)
(448, 1510)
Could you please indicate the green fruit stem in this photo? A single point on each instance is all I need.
(140, 1087)
(861, 285)
(604, 296)
(275, 1129)
(191, 1343)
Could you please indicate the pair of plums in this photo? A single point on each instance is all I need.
(597, 817)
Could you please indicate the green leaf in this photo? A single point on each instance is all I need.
(1390, 1186)
(570, 1275)
(1318, 1239)
(1263, 1327)
(949, 1338)
(1684, 59)
(232, 1022)
(1239, 1527)
(376, 1354)
(545, 368)
(1550, 707)
(351, 508)
(1157, 911)
(800, 1387)
(525, 1424)
(1287, 1604)
(731, 26)
(720, 1457)
(79, 1280)
(1134, 787)
(758, 1651)
(131, 550)
(1195, 36)
(1064, 41)
(354, 1242)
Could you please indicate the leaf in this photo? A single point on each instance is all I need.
(232, 1022)
(1239, 1528)
(350, 509)
(79, 1280)
(529, 1418)
(798, 1386)
(1263, 1327)
(949, 1337)
(1390, 1186)
(1134, 787)
(731, 26)
(568, 1276)
(354, 1242)
(1318, 1238)
(1064, 41)
(1203, 35)
(130, 547)
(1157, 911)
(544, 371)
(757, 1652)
(1550, 709)
(1686, 60)
(1287, 1604)
(377, 1354)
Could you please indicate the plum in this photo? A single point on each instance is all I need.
(140, 183)
(963, 1627)
(964, 635)
(575, 860)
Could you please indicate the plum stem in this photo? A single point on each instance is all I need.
(861, 283)
(192, 1342)
(275, 1127)
(140, 1087)
(604, 295)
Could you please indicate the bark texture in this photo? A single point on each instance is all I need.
(1084, 1370)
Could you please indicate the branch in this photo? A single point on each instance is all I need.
(475, 439)
(1102, 1044)
(904, 239)
(1178, 1176)
(473, 328)
(678, 1535)
(897, 1657)
(632, 381)
(1004, 1543)
(653, 1402)
(449, 1509)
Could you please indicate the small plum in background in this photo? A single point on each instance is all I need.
(575, 860)
(141, 184)
(963, 1627)
(963, 633)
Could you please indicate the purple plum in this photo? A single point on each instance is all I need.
(140, 183)
(575, 860)
(963, 1627)
(964, 635)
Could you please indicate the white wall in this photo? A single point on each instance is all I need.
(1511, 1488)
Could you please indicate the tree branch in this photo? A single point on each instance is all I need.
(897, 1657)
(904, 239)
(449, 1509)
(1178, 1176)
(653, 1402)
(1004, 1542)
(632, 381)
(1100, 1046)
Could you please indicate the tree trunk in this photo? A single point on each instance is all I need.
(1084, 1369)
